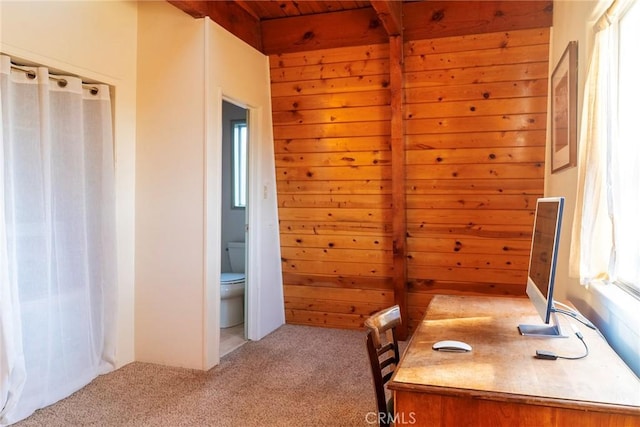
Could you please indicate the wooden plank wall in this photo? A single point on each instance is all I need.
(475, 120)
(331, 118)
(475, 137)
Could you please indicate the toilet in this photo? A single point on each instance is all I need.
(232, 288)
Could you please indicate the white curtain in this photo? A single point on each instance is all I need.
(57, 237)
(593, 239)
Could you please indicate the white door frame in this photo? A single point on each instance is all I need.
(213, 224)
(241, 78)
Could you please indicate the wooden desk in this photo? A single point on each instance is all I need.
(500, 383)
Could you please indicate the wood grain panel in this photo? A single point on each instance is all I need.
(436, 19)
(334, 187)
(470, 201)
(472, 245)
(328, 145)
(334, 228)
(352, 158)
(329, 56)
(470, 217)
(531, 187)
(481, 171)
(506, 232)
(325, 319)
(348, 269)
(334, 201)
(364, 309)
(478, 41)
(341, 85)
(527, 138)
(332, 100)
(477, 91)
(450, 410)
(375, 283)
(422, 289)
(333, 130)
(476, 108)
(424, 61)
(338, 214)
(331, 255)
(229, 14)
(374, 296)
(368, 67)
(474, 75)
(461, 156)
(420, 299)
(323, 173)
(534, 121)
(473, 111)
(321, 31)
(476, 275)
(390, 14)
(331, 115)
(333, 241)
(468, 260)
(284, 8)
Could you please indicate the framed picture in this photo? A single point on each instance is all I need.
(564, 87)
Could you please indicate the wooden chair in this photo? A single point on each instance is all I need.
(384, 356)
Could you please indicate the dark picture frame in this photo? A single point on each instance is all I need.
(564, 107)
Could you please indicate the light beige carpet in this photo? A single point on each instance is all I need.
(296, 376)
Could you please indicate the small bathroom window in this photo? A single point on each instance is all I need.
(239, 162)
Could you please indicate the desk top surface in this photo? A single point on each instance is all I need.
(502, 365)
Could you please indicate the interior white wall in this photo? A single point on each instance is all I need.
(170, 187)
(95, 40)
(186, 67)
(237, 72)
(573, 20)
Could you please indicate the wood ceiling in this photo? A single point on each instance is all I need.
(266, 24)
(285, 26)
(264, 10)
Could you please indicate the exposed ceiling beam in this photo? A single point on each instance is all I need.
(231, 15)
(197, 9)
(390, 13)
(354, 27)
(244, 4)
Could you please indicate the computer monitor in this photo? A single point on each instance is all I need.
(542, 266)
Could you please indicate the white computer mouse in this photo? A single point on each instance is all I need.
(452, 345)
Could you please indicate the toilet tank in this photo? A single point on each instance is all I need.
(236, 256)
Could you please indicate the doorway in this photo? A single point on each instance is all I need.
(233, 227)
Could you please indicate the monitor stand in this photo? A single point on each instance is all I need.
(552, 330)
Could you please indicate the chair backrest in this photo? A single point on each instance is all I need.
(382, 347)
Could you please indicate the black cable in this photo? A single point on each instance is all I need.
(580, 318)
(579, 335)
(549, 355)
(576, 316)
